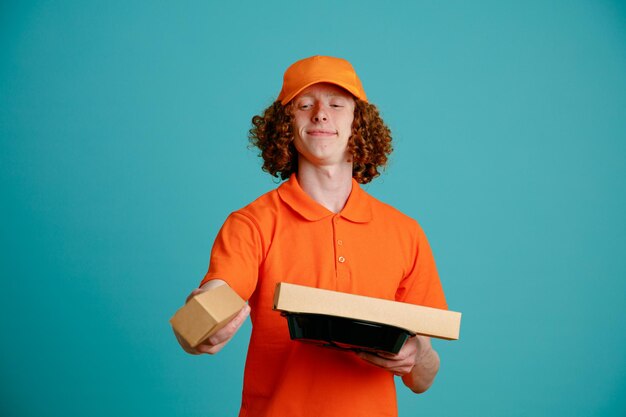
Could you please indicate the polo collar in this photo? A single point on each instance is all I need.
(357, 209)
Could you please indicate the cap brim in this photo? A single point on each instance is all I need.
(291, 96)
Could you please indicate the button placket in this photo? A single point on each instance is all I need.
(338, 242)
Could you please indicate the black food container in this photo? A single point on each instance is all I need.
(345, 333)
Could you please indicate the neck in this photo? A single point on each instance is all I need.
(328, 186)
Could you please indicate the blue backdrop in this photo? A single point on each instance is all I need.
(123, 148)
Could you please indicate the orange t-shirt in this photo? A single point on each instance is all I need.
(369, 248)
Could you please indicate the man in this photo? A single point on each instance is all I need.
(319, 228)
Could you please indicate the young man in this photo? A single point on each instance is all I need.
(319, 228)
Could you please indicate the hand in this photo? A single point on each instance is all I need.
(218, 340)
(402, 362)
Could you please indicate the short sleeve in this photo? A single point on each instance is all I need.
(422, 285)
(236, 255)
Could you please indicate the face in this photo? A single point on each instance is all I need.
(322, 124)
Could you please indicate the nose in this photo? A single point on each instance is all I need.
(320, 115)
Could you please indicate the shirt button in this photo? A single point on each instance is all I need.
(340, 242)
(341, 259)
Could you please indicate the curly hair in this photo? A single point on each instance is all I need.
(369, 143)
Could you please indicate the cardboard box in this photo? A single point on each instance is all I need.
(442, 324)
(206, 313)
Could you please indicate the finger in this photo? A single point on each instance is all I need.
(398, 367)
(210, 349)
(400, 356)
(374, 359)
(229, 330)
(392, 356)
(194, 293)
(207, 286)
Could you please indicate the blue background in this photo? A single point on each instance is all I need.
(123, 148)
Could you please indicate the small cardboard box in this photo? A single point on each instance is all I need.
(443, 324)
(206, 313)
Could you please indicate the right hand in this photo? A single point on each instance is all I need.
(218, 340)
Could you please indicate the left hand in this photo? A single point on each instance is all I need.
(402, 362)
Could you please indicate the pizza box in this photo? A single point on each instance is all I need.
(348, 321)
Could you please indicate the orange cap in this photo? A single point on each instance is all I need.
(320, 69)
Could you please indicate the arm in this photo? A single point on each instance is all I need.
(216, 342)
(426, 367)
(417, 363)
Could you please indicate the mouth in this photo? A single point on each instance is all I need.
(321, 132)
